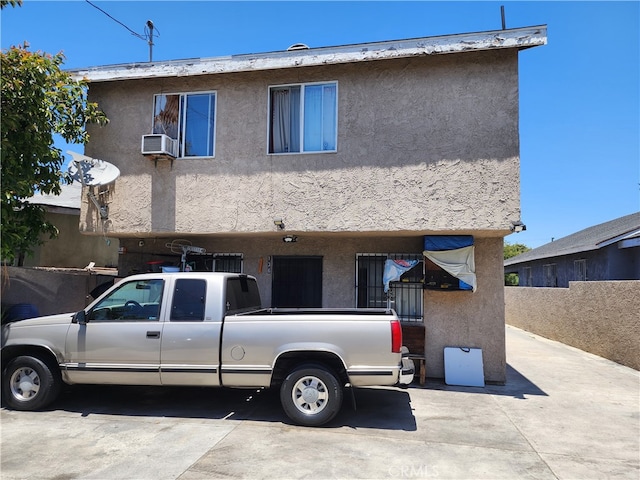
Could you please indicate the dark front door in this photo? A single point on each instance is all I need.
(296, 282)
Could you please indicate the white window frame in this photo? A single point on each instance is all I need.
(301, 132)
(182, 120)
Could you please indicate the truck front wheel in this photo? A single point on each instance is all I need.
(311, 395)
(28, 383)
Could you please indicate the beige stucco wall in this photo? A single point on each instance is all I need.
(424, 145)
(338, 258)
(465, 319)
(598, 317)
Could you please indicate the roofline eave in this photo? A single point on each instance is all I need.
(519, 38)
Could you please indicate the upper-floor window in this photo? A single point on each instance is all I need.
(188, 118)
(303, 118)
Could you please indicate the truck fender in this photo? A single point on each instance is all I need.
(290, 358)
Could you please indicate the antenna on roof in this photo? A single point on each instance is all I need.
(147, 35)
(150, 27)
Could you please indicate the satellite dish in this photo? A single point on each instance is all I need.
(91, 171)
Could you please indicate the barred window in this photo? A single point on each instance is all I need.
(405, 296)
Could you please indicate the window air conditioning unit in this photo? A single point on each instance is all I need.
(159, 144)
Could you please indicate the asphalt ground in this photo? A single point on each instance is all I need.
(563, 414)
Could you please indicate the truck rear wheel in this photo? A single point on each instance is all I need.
(28, 383)
(311, 395)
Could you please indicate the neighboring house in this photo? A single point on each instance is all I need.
(310, 168)
(608, 251)
(70, 249)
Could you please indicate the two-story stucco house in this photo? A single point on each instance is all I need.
(310, 167)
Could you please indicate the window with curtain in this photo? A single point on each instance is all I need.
(188, 118)
(303, 118)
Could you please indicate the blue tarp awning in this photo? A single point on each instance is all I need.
(437, 243)
(455, 254)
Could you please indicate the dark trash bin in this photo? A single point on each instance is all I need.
(19, 311)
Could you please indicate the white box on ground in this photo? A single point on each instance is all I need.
(463, 366)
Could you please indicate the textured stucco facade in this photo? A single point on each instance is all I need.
(424, 145)
(597, 317)
(427, 144)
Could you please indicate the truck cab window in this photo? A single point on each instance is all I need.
(189, 300)
(138, 300)
(242, 294)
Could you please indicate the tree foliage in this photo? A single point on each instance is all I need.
(13, 3)
(513, 249)
(39, 100)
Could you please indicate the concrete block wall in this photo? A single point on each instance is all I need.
(598, 317)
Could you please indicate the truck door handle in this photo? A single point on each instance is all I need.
(153, 334)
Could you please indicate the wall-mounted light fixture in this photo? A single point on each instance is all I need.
(518, 227)
(278, 223)
(289, 239)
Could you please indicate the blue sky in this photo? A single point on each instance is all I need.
(579, 94)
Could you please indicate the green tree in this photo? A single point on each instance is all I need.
(39, 100)
(511, 250)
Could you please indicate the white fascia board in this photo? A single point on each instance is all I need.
(618, 238)
(519, 38)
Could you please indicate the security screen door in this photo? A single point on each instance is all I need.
(296, 282)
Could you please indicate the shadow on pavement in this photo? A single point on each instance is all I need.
(383, 408)
(517, 386)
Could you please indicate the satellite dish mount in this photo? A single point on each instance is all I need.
(93, 172)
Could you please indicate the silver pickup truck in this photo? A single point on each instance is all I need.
(204, 329)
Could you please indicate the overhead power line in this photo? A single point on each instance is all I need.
(148, 32)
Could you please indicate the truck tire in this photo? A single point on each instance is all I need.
(311, 395)
(29, 383)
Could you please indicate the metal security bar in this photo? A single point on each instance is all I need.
(405, 297)
(227, 262)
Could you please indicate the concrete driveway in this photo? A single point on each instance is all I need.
(563, 414)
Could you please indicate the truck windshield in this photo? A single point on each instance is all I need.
(242, 294)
